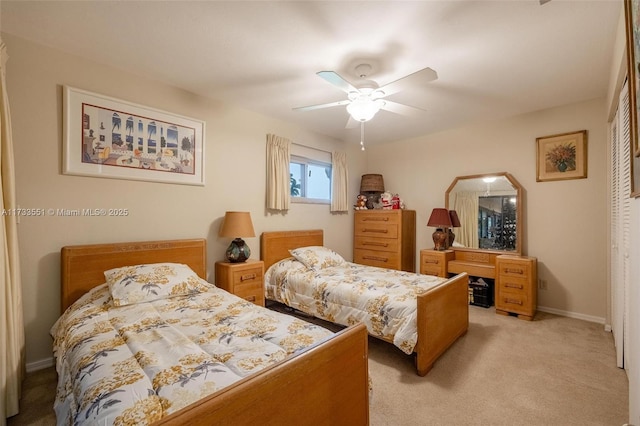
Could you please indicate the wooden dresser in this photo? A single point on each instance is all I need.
(516, 286)
(385, 238)
(516, 277)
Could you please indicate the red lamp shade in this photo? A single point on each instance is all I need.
(441, 220)
(455, 221)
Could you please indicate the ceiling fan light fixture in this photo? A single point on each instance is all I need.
(364, 108)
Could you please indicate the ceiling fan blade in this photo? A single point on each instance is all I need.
(416, 79)
(335, 79)
(319, 106)
(352, 123)
(402, 109)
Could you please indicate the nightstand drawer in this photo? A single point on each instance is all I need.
(247, 276)
(251, 291)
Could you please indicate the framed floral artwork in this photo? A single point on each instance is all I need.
(561, 157)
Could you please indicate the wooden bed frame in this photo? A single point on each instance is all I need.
(443, 311)
(325, 384)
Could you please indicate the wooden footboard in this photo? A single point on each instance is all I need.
(443, 316)
(326, 384)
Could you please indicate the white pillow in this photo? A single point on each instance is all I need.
(317, 257)
(145, 283)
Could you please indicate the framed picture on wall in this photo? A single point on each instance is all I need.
(632, 10)
(111, 138)
(632, 25)
(562, 156)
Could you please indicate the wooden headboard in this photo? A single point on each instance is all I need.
(83, 266)
(275, 246)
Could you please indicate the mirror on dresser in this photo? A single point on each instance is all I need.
(489, 207)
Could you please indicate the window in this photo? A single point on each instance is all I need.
(310, 180)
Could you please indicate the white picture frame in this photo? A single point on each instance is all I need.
(111, 138)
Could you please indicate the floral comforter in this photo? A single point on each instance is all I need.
(136, 363)
(384, 300)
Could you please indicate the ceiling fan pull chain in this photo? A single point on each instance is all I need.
(362, 135)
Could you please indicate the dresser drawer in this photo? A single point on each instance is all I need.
(379, 230)
(377, 258)
(513, 284)
(376, 244)
(379, 217)
(515, 302)
(514, 269)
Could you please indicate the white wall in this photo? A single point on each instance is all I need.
(565, 221)
(235, 168)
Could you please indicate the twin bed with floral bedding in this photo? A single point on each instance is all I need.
(419, 314)
(157, 342)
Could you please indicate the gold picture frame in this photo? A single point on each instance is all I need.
(562, 156)
(632, 17)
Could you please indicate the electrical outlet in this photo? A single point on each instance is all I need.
(542, 284)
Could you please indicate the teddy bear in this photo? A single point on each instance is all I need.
(361, 203)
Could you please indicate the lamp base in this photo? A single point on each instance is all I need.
(440, 239)
(452, 237)
(238, 251)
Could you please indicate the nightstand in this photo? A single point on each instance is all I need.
(434, 262)
(244, 279)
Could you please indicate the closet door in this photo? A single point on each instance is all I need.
(620, 216)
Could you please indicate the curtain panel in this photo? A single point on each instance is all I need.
(278, 179)
(339, 182)
(11, 320)
(466, 205)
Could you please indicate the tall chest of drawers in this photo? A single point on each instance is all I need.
(385, 238)
(516, 286)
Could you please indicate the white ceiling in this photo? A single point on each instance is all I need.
(494, 59)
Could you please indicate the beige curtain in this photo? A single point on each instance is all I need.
(466, 205)
(278, 179)
(11, 321)
(339, 179)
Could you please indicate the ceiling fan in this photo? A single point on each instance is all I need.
(366, 98)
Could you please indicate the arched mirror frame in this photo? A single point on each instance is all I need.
(519, 217)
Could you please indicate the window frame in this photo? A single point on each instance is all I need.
(305, 161)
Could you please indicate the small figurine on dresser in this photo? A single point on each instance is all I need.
(361, 203)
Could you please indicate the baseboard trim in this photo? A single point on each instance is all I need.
(575, 315)
(40, 365)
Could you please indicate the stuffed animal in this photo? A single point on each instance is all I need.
(361, 203)
(386, 200)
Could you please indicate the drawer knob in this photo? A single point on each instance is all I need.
(250, 298)
(514, 271)
(247, 277)
(375, 219)
(434, 261)
(513, 301)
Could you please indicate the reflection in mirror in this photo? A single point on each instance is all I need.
(489, 208)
